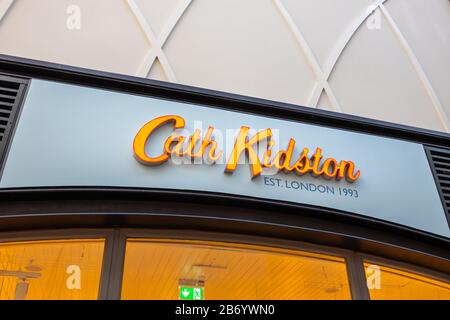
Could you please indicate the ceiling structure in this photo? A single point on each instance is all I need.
(383, 59)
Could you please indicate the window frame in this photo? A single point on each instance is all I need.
(70, 234)
(403, 266)
(354, 266)
(113, 259)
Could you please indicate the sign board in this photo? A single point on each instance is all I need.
(190, 293)
(73, 136)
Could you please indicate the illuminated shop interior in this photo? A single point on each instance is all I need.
(156, 268)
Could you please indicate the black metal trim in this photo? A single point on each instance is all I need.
(165, 90)
(204, 197)
(107, 264)
(117, 266)
(357, 277)
(129, 208)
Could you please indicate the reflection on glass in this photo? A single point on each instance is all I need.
(386, 283)
(66, 269)
(161, 269)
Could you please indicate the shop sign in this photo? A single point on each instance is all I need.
(198, 147)
(92, 138)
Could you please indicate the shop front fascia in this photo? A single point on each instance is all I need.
(93, 155)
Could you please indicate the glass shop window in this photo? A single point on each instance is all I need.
(386, 283)
(62, 270)
(196, 270)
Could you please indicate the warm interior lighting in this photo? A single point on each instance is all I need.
(65, 269)
(395, 284)
(154, 269)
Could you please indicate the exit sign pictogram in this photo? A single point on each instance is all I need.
(190, 293)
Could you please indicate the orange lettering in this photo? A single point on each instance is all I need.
(346, 170)
(144, 133)
(244, 144)
(175, 145)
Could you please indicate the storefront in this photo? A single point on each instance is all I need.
(114, 187)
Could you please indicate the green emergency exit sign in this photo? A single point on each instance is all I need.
(190, 293)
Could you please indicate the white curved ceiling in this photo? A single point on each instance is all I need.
(384, 59)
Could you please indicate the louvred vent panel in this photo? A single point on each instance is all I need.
(11, 94)
(440, 164)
